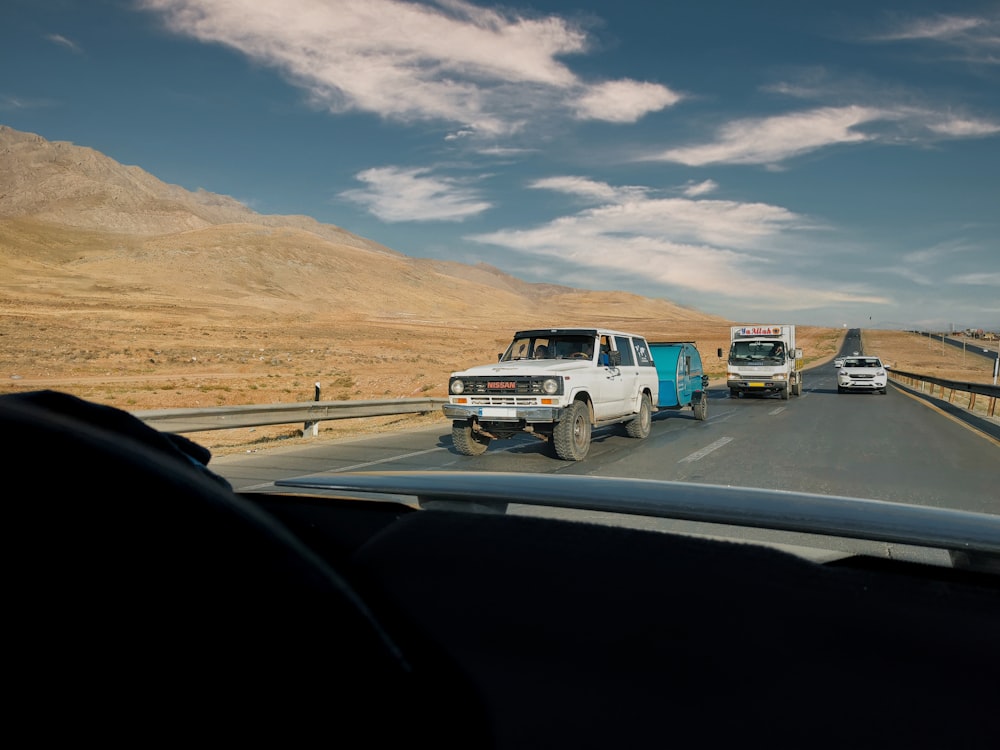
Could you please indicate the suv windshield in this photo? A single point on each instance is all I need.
(550, 347)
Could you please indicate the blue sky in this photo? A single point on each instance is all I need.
(828, 163)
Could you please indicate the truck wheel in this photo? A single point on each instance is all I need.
(700, 407)
(733, 393)
(467, 442)
(784, 392)
(571, 435)
(640, 426)
(797, 390)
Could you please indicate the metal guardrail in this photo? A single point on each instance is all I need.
(310, 413)
(948, 390)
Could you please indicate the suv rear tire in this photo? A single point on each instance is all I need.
(642, 424)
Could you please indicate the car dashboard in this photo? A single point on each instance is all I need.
(452, 610)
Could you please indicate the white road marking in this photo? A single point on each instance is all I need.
(706, 450)
(382, 461)
(777, 410)
(268, 485)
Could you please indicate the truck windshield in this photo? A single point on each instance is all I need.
(550, 347)
(756, 351)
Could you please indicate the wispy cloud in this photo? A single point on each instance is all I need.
(693, 190)
(487, 70)
(942, 27)
(64, 42)
(395, 194)
(623, 101)
(773, 140)
(978, 279)
(971, 38)
(963, 127)
(588, 189)
(15, 103)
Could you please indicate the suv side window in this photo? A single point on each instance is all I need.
(642, 353)
(624, 346)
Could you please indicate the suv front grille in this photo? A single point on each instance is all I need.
(503, 401)
(519, 385)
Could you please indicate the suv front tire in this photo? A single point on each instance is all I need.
(571, 435)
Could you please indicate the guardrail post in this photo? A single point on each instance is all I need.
(312, 428)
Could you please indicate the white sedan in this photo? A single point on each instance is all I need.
(862, 374)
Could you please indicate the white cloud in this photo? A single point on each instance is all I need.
(935, 27)
(623, 101)
(63, 42)
(395, 194)
(731, 250)
(771, 140)
(693, 190)
(583, 187)
(976, 38)
(957, 127)
(978, 279)
(484, 69)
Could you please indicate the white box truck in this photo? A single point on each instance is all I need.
(763, 359)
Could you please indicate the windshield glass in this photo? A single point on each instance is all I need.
(507, 374)
(604, 240)
(550, 347)
(749, 351)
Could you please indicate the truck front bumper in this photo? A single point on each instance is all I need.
(758, 385)
(503, 413)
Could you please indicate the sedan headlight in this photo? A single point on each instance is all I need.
(457, 386)
(550, 386)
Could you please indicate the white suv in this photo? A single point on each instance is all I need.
(862, 373)
(556, 384)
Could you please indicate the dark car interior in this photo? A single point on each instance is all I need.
(151, 602)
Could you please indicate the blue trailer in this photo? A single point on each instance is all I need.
(683, 383)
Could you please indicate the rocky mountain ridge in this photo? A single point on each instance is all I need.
(100, 224)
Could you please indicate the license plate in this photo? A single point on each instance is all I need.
(497, 411)
(756, 385)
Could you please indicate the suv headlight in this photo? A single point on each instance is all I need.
(457, 386)
(550, 386)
